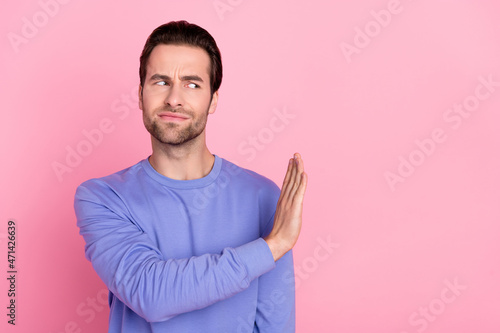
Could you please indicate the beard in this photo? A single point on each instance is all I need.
(175, 133)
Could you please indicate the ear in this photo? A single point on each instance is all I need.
(213, 103)
(140, 97)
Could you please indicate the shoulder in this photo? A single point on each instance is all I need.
(251, 180)
(112, 184)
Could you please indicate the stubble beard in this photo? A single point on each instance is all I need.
(173, 133)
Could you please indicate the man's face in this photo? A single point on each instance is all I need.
(176, 98)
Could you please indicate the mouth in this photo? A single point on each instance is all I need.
(172, 116)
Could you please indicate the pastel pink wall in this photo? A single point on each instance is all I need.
(394, 106)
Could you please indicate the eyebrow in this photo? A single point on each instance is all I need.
(155, 77)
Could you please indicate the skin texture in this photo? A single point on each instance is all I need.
(179, 147)
(175, 102)
(288, 216)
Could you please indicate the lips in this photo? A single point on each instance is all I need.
(172, 116)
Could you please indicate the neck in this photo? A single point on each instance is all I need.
(191, 160)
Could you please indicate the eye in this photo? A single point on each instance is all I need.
(192, 85)
(161, 83)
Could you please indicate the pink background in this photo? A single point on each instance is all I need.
(365, 85)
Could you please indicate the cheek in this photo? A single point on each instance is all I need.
(151, 100)
(203, 102)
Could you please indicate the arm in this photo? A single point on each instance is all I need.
(154, 287)
(276, 299)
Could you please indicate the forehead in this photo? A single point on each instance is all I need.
(168, 59)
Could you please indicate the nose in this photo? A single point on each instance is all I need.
(174, 96)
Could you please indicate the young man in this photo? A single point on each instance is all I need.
(185, 240)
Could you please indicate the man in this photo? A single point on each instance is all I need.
(185, 240)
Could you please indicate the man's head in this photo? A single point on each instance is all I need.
(180, 72)
(184, 33)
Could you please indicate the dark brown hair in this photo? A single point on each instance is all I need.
(184, 33)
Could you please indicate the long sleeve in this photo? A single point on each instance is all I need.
(276, 299)
(276, 296)
(158, 288)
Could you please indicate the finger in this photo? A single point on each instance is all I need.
(288, 171)
(303, 185)
(291, 181)
(298, 199)
(286, 180)
(299, 168)
(300, 163)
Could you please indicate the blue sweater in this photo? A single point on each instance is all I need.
(187, 256)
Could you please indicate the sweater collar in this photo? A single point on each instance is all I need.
(183, 184)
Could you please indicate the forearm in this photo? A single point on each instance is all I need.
(276, 301)
(161, 289)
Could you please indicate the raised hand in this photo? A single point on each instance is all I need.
(288, 216)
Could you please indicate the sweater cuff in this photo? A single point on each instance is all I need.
(257, 257)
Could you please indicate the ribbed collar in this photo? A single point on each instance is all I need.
(183, 184)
